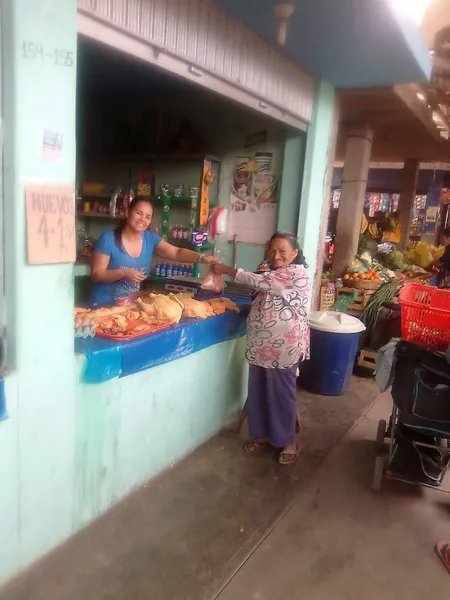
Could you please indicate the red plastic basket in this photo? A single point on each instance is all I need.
(425, 315)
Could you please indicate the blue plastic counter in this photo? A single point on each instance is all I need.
(108, 359)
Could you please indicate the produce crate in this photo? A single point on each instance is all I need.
(363, 285)
(365, 363)
(425, 315)
(361, 300)
(367, 359)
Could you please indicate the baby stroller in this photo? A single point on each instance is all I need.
(419, 426)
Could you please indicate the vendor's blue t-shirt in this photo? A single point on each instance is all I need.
(108, 293)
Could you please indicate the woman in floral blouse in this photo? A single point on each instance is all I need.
(277, 339)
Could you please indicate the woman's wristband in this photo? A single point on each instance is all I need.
(201, 258)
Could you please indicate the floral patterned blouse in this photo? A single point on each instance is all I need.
(277, 326)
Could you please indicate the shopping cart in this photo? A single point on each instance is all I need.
(419, 426)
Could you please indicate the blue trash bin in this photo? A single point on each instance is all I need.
(334, 344)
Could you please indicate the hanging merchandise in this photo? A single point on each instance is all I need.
(432, 204)
(218, 222)
(165, 197)
(395, 199)
(336, 198)
(445, 196)
(193, 195)
(207, 179)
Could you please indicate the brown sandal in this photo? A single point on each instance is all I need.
(288, 458)
(255, 446)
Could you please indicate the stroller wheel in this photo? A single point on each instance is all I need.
(381, 434)
(378, 474)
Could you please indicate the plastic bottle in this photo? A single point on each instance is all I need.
(169, 270)
(176, 270)
(158, 270)
(163, 269)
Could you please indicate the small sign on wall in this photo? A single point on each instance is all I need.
(52, 145)
(51, 236)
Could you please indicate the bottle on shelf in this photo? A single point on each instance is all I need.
(163, 270)
(158, 270)
(169, 270)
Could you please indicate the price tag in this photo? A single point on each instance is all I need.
(50, 224)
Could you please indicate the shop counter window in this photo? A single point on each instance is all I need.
(106, 359)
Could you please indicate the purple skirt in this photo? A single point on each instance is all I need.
(272, 404)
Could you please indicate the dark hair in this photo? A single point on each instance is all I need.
(446, 232)
(119, 230)
(293, 242)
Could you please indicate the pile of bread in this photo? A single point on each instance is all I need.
(153, 309)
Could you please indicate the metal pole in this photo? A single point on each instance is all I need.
(235, 251)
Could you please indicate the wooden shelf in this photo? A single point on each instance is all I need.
(104, 195)
(159, 157)
(95, 215)
(190, 245)
(186, 200)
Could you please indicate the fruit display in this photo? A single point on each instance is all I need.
(370, 275)
(424, 255)
(364, 224)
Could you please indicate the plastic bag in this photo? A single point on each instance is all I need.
(212, 282)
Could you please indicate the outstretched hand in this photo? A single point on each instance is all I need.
(221, 269)
(210, 260)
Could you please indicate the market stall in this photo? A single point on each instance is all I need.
(124, 340)
(370, 286)
(165, 369)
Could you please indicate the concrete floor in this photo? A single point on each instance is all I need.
(341, 541)
(185, 535)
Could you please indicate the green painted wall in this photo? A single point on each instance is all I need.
(291, 182)
(36, 443)
(68, 450)
(314, 190)
(128, 430)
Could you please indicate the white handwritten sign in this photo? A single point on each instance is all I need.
(50, 224)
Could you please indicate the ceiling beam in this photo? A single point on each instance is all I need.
(408, 94)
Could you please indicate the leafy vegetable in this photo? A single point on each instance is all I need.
(367, 245)
(384, 294)
(395, 260)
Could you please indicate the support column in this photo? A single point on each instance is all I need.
(315, 193)
(407, 196)
(291, 182)
(353, 189)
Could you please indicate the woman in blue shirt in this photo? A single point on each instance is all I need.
(122, 257)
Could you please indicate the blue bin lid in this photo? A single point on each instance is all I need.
(335, 322)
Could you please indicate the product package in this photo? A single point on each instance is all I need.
(212, 282)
